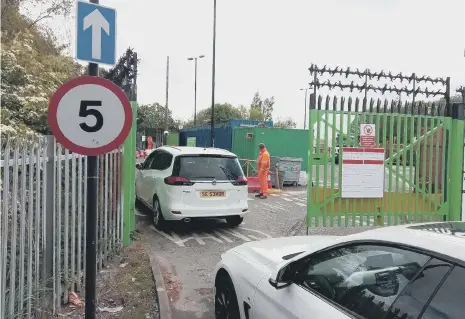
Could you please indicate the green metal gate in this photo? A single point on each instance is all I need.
(423, 158)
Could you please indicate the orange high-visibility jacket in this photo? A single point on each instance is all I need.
(263, 160)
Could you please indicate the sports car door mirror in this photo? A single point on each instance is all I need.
(283, 278)
(138, 166)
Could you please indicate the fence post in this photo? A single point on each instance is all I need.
(456, 169)
(313, 117)
(49, 176)
(129, 168)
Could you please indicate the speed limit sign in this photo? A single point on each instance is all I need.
(90, 115)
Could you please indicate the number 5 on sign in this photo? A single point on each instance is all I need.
(90, 115)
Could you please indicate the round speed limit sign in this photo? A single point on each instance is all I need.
(90, 115)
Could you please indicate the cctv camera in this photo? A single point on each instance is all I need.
(166, 132)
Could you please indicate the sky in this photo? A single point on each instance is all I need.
(268, 46)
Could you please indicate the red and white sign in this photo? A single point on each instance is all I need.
(90, 116)
(362, 172)
(367, 135)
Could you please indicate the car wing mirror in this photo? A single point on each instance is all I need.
(283, 277)
(138, 166)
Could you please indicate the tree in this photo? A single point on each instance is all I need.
(153, 116)
(223, 112)
(285, 123)
(32, 69)
(49, 9)
(261, 110)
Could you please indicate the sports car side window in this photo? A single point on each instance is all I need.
(448, 302)
(415, 296)
(364, 279)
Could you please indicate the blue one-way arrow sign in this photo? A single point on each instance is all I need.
(95, 33)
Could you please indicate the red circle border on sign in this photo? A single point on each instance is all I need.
(365, 130)
(84, 80)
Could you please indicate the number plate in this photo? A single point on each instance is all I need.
(212, 194)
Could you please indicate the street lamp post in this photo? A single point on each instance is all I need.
(212, 121)
(195, 85)
(305, 108)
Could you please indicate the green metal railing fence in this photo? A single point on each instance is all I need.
(423, 154)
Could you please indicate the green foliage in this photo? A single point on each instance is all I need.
(261, 110)
(32, 69)
(223, 112)
(153, 116)
(285, 123)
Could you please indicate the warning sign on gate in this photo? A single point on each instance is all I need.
(367, 135)
(362, 172)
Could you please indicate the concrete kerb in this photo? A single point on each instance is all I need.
(163, 301)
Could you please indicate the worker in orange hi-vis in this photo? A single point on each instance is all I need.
(149, 142)
(263, 168)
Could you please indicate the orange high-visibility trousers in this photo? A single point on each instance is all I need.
(263, 180)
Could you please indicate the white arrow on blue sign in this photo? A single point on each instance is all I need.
(95, 33)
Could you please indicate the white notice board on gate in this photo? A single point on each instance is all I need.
(362, 172)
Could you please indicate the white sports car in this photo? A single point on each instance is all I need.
(397, 272)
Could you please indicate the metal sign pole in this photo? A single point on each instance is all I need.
(91, 223)
(73, 110)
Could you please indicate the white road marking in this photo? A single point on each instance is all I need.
(236, 234)
(287, 199)
(301, 204)
(286, 194)
(174, 237)
(199, 240)
(273, 207)
(275, 195)
(217, 233)
(300, 199)
(250, 198)
(256, 231)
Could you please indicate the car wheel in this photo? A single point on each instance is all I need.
(234, 220)
(157, 216)
(226, 305)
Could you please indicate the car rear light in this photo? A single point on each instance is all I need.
(240, 181)
(177, 181)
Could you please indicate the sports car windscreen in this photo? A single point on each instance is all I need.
(207, 167)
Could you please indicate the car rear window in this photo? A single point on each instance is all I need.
(207, 167)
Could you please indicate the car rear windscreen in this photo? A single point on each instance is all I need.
(207, 167)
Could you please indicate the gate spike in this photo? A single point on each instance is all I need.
(433, 109)
(386, 105)
(357, 104)
(349, 104)
(420, 106)
(406, 106)
(413, 108)
(364, 105)
(393, 104)
(372, 103)
(320, 99)
(440, 109)
(327, 102)
(378, 106)
(342, 103)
